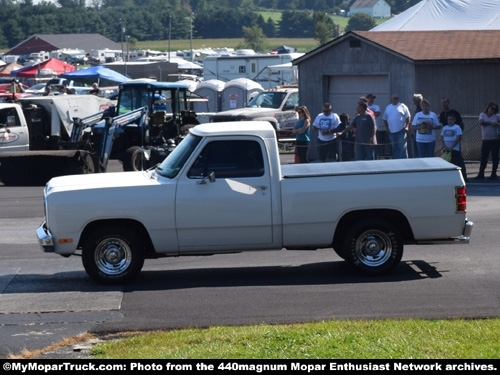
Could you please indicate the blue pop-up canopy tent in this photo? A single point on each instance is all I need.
(96, 73)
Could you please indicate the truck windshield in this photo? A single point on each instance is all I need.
(171, 166)
(267, 100)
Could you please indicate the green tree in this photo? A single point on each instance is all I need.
(13, 32)
(3, 40)
(223, 23)
(269, 28)
(360, 22)
(324, 28)
(296, 24)
(72, 3)
(254, 38)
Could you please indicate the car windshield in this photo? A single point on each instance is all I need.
(171, 166)
(267, 100)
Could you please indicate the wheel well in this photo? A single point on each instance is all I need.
(395, 217)
(130, 224)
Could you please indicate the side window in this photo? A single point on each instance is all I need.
(9, 118)
(292, 101)
(229, 159)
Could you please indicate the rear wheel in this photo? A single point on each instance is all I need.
(113, 255)
(373, 247)
(134, 159)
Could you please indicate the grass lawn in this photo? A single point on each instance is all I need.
(346, 339)
(301, 44)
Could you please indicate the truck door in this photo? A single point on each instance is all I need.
(232, 211)
(13, 135)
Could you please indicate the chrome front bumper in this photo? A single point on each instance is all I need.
(45, 239)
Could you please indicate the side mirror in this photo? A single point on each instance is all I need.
(210, 178)
(11, 121)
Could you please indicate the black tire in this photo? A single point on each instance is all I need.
(113, 255)
(134, 159)
(373, 247)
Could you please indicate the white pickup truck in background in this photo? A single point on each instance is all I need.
(223, 190)
(276, 106)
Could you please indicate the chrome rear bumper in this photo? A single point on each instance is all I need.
(463, 239)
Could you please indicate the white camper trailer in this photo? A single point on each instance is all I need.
(254, 67)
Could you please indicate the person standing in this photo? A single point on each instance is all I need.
(15, 86)
(443, 119)
(451, 134)
(95, 89)
(417, 102)
(346, 140)
(381, 135)
(443, 116)
(302, 132)
(412, 137)
(490, 134)
(423, 125)
(47, 91)
(326, 123)
(397, 119)
(365, 126)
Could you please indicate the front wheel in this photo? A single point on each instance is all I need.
(373, 247)
(113, 255)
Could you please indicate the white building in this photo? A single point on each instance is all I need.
(374, 8)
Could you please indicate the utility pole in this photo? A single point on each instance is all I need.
(126, 59)
(191, 36)
(122, 30)
(169, 35)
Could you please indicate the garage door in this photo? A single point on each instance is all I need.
(345, 90)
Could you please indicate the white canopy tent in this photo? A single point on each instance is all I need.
(446, 15)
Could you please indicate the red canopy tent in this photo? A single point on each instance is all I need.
(50, 67)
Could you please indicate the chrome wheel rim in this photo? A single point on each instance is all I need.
(113, 256)
(373, 248)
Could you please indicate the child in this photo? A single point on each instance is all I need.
(451, 134)
(347, 139)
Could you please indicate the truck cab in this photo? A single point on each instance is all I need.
(14, 134)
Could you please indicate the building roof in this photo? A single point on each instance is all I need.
(439, 45)
(364, 4)
(446, 15)
(52, 42)
(426, 45)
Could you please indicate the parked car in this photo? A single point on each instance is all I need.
(37, 89)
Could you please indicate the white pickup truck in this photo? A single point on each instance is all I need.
(223, 190)
(276, 106)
